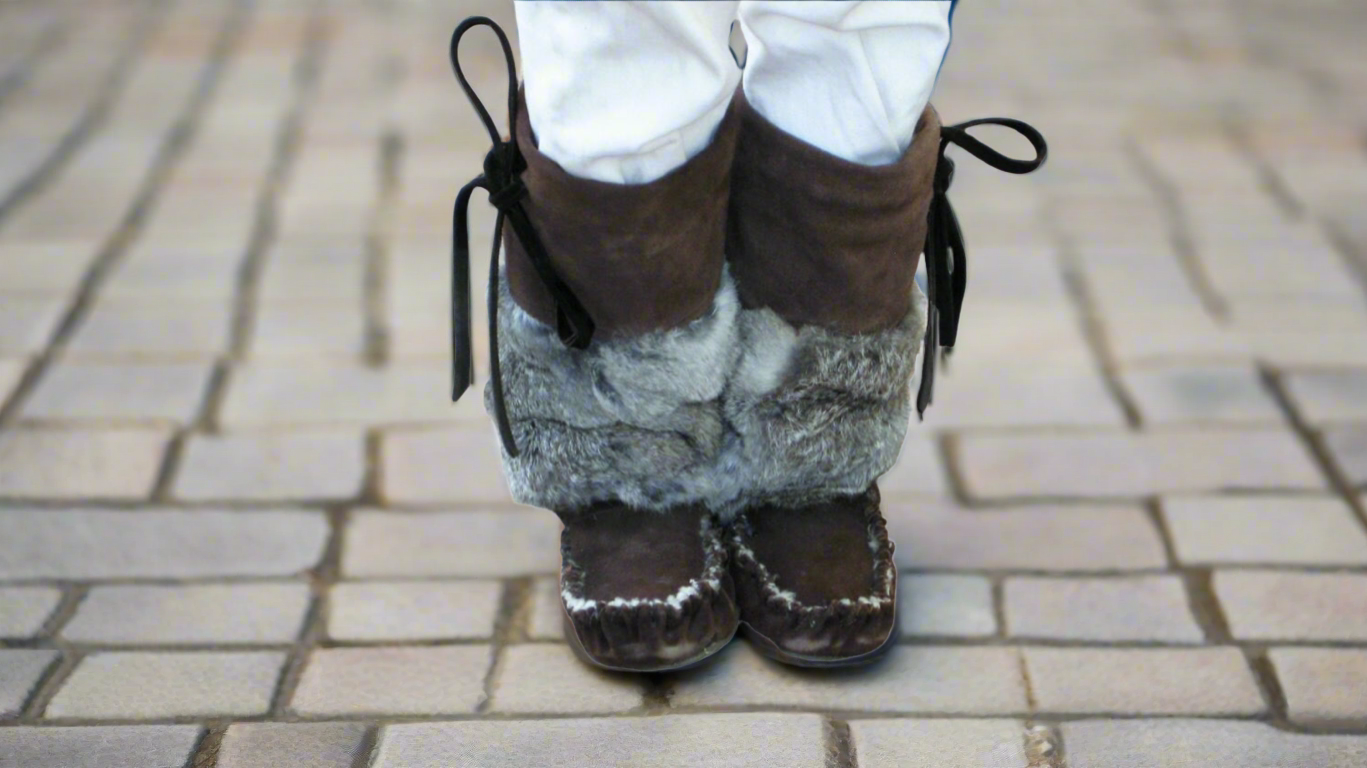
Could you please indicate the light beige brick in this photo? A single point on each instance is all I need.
(107, 392)
(190, 614)
(1348, 445)
(1201, 394)
(44, 268)
(115, 463)
(945, 606)
(304, 332)
(99, 746)
(277, 394)
(1045, 538)
(911, 679)
(1330, 396)
(550, 679)
(1265, 529)
(919, 470)
(145, 686)
(1118, 464)
(272, 466)
(759, 740)
(545, 622)
(23, 610)
(1148, 681)
(297, 745)
(151, 333)
(417, 610)
(26, 324)
(1283, 605)
(1133, 608)
(430, 467)
(1017, 395)
(948, 743)
(1323, 686)
(88, 544)
(20, 671)
(399, 544)
(1174, 743)
(11, 371)
(159, 279)
(436, 680)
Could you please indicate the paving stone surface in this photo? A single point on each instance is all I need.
(545, 679)
(440, 680)
(209, 614)
(1348, 445)
(23, 610)
(1209, 394)
(165, 393)
(1265, 530)
(415, 610)
(724, 740)
(1046, 538)
(272, 466)
(20, 670)
(1323, 686)
(1120, 464)
(948, 743)
(116, 463)
(945, 606)
(1285, 605)
(1143, 681)
(298, 745)
(115, 685)
(157, 543)
(227, 437)
(1132, 608)
(434, 467)
(1176, 743)
(503, 543)
(100, 746)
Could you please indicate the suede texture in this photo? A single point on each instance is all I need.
(640, 257)
(825, 241)
(646, 591)
(817, 581)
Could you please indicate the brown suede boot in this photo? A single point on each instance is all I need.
(825, 253)
(611, 340)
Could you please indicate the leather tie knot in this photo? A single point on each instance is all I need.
(944, 173)
(502, 179)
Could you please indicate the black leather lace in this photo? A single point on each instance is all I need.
(946, 258)
(502, 179)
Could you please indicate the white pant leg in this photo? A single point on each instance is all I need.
(625, 92)
(851, 78)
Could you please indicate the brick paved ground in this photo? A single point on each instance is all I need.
(240, 526)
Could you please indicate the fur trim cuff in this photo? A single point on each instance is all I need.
(819, 413)
(635, 420)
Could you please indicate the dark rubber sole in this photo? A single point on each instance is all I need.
(674, 666)
(770, 649)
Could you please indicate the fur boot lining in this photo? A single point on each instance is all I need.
(818, 413)
(636, 420)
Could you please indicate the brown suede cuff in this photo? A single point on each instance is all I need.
(822, 240)
(640, 257)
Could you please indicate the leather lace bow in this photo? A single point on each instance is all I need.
(946, 258)
(502, 179)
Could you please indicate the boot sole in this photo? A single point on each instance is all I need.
(769, 648)
(678, 666)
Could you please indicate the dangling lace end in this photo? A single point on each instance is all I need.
(926, 393)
